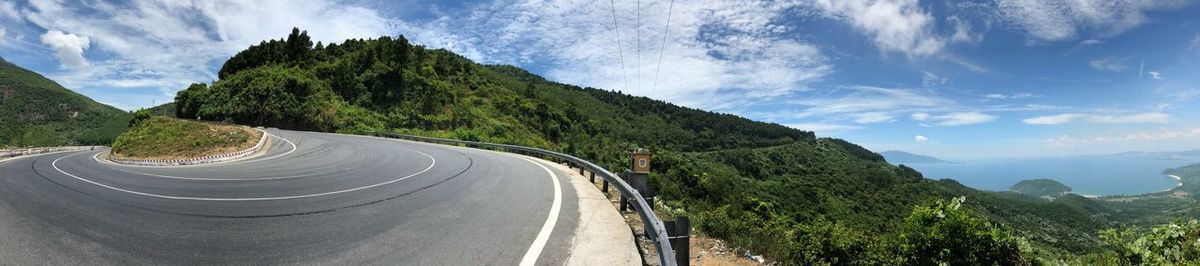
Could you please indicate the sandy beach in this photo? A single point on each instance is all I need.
(1177, 179)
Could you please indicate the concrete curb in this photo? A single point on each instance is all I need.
(195, 161)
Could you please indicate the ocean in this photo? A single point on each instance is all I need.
(1090, 175)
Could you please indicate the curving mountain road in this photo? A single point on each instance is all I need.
(311, 198)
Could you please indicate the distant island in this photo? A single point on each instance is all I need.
(1041, 188)
(900, 157)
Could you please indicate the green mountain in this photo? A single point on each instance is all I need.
(1040, 188)
(764, 187)
(36, 111)
(900, 157)
(166, 109)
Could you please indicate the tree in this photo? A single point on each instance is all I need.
(139, 116)
(946, 233)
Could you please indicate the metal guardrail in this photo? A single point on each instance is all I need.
(666, 254)
(7, 153)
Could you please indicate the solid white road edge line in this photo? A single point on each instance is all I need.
(431, 164)
(539, 242)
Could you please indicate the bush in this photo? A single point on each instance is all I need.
(946, 233)
(1177, 243)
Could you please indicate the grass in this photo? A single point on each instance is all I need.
(164, 138)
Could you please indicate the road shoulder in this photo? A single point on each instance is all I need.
(602, 236)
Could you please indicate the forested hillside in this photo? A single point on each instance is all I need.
(774, 190)
(36, 111)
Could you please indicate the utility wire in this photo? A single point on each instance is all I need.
(620, 53)
(638, 29)
(666, 27)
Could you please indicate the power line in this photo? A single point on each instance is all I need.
(666, 27)
(620, 51)
(638, 29)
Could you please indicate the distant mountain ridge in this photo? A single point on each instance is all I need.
(1194, 153)
(900, 157)
(36, 111)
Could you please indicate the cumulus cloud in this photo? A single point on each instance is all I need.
(963, 118)
(920, 139)
(166, 44)
(894, 25)
(1153, 117)
(718, 54)
(1154, 74)
(67, 47)
(1060, 20)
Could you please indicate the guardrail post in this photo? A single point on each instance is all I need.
(605, 189)
(593, 180)
(679, 232)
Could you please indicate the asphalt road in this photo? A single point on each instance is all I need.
(312, 198)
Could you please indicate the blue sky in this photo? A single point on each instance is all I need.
(959, 80)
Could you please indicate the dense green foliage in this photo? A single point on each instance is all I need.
(1040, 188)
(36, 111)
(946, 233)
(162, 137)
(1177, 243)
(768, 188)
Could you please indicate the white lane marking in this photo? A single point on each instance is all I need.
(293, 144)
(539, 242)
(431, 164)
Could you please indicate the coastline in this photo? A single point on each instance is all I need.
(1177, 185)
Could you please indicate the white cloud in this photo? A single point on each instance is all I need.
(1154, 74)
(1110, 63)
(1052, 119)
(1060, 20)
(962, 31)
(67, 47)
(3, 31)
(168, 44)
(1014, 96)
(873, 117)
(862, 99)
(718, 54)
(920, 139)
(1091, 42)
(823, 128)
(1195, 44)
(1153, 117)
(894, 25)
(1161, 134)
(963, 118)
(920, 116)
(8, 10)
